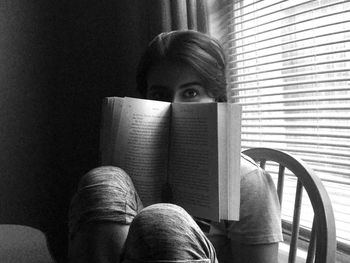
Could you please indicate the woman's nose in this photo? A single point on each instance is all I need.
(175, 98)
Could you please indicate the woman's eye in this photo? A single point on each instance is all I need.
(190, 93)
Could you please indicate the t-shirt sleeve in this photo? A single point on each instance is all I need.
(260, 216)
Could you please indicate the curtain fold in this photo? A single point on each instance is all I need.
(167, 15)
(179, 14)
(220, 17)
(192, 14)
(158, 15)
(202, 16)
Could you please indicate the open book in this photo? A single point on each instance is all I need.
(192, 147)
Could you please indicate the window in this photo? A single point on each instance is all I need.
(289, 68)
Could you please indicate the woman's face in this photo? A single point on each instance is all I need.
(175, 82)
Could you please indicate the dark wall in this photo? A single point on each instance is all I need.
(58, 59)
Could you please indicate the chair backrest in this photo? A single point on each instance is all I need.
(322, 245)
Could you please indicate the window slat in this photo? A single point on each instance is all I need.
(329, 107)
(299, 141)
(298, 100)
(282, 60)
(296, 75)
(291, 50)
(294, 83)
(298, 125)
(285, 68)
(301, 134)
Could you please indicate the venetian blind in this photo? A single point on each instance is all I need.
(289, 68)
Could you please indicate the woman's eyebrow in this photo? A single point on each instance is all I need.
(192, 83)
(182, 86)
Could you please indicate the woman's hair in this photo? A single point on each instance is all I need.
(197, 50)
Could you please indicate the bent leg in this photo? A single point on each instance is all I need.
(98, 243)
(166, 233)
(101, 211)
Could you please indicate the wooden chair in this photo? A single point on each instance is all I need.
(322, 244)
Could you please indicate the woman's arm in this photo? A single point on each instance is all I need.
(255, 237)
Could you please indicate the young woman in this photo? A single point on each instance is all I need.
(188, 66)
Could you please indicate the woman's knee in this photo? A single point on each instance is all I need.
(166, 232)
(104, 205)
(105, 175)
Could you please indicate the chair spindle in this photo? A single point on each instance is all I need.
(296, 221)
(312, 244)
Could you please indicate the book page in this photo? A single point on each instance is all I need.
(111, 110)
(193, 165)
(229, 121)
(234, 125)
(141, 146)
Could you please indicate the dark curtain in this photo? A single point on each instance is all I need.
(168, 15)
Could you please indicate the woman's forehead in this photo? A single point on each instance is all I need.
(166, 73)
